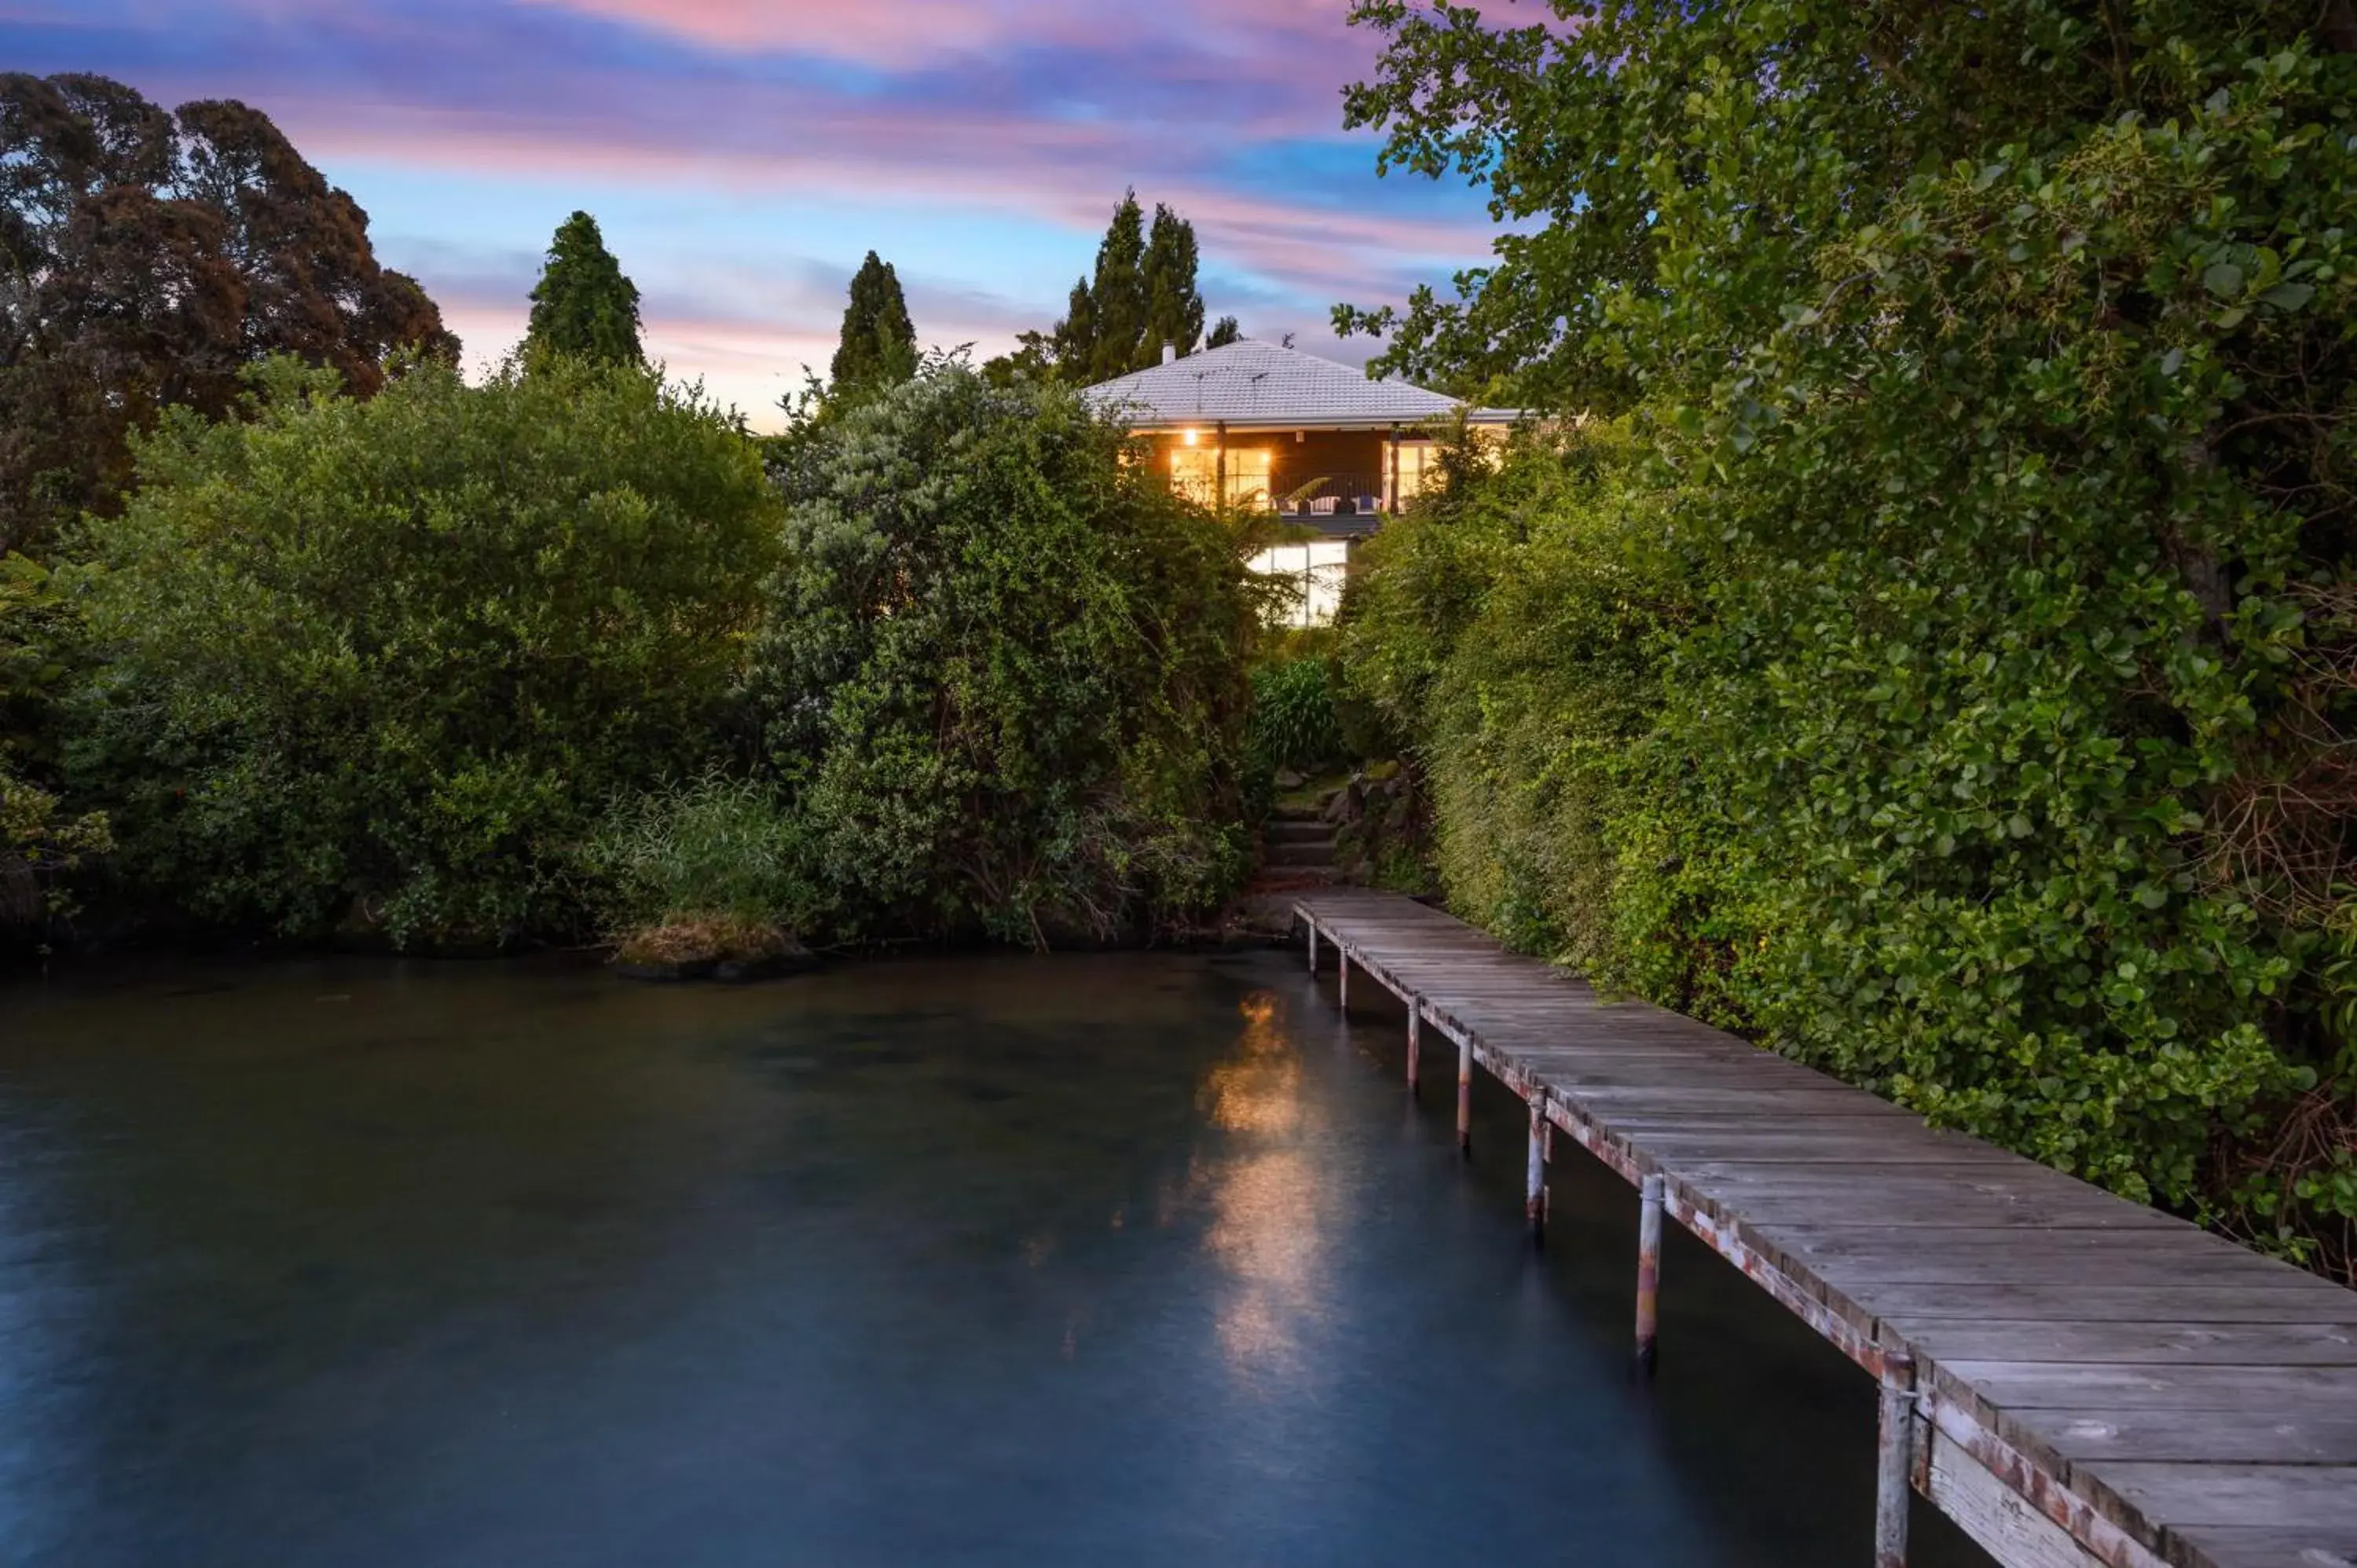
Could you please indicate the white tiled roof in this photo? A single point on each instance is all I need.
(1253, 383)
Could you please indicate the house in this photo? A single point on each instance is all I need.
(1256, 425)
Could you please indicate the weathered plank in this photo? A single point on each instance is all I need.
(2108, 1385)
(2299, 1300)
(2261, 1546)
(2128, 1342)
(2240, 1436)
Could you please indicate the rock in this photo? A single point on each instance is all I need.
(1287, 778)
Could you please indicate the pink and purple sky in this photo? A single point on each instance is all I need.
(743, 154)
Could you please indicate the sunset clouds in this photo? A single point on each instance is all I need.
(742, 154)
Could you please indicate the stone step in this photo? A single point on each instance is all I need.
(1301, 855)
(1283, 831)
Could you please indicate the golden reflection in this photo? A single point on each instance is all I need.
(1268, 1197)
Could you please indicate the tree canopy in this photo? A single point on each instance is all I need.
(380, 665)
(878, 347)
(583, 305)
(1001, 678)
(149, 257)
(1947, 678)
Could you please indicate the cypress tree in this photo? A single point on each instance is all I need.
(1228, 330)
(878, 344)
(1142, 296)
(583, 305)
(1075, 337)
(1174, 307)
(1119, 293)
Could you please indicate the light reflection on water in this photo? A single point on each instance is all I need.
(1269, 1200)
(1135, 1259)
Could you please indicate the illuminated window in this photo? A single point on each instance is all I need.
(1195, 474)
(1316, 571)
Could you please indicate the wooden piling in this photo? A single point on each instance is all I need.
(1313, 947)
(1649, 1272)
(1465, 1096)
(1342, 977)
(1534, 1172)
(1894, 1459)
(1415, 1039)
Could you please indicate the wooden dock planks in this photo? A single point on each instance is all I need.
(2098, 1383)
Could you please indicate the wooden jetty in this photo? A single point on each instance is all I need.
(2075, 1379)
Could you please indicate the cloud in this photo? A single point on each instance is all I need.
(1026, 118)
(1309, 35)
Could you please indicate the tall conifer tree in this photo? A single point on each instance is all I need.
(1142, 296)
(879, 344)
(1174, 308)
(1119, 291)
(1075, 337)
(583, 305)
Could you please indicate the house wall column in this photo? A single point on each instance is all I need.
(1392, 505)
(1220, 468)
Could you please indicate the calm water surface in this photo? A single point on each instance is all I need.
(1136, 1260)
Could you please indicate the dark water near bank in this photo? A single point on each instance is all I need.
(1128, 1260)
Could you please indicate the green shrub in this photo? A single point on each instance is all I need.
(713, 848)
(40, 841)
(1994, 366)
(382, 664)
(1294, 723)
(1002, 676)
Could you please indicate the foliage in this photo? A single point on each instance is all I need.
(1996, 369)
(713, 848)
(1226, 330)
(1002, 674)
(39, 842)
(583, 307)
(146, 259)
(878, 347)
(1515, 624)
(381, 664)
(1293, 720)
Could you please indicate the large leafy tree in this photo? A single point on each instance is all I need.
(2002, 357)
(583, 306)
(1003, 672)
(878, 347)
(381, 664)
(146, 259)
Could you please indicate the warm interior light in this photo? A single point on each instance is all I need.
(1190, 439)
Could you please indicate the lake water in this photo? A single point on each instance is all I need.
(1138, 1260)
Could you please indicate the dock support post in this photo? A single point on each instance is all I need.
(1534, 1172)
(1465, 1095)
(1313, 945)
(1415, 1039)
(1893, 1458)
(1649, 1272)
(1342, 977)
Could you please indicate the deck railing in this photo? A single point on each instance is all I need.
(1294, 494)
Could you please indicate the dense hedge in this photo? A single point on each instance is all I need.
(1948, 678)
(380, 665)
(1001, 679)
